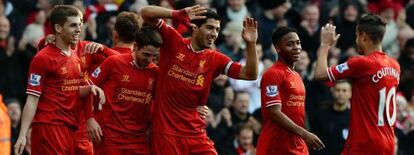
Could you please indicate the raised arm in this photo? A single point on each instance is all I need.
(250, 70)
(151, 14)
(27, 117)
(328, 37)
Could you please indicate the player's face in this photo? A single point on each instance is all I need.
(145, 55)
(289, 47)
(342, 93)
(71, 29)
(206, 34)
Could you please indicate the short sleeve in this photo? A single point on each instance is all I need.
(270, 87)
(350, 69)
(101, 73)
(226, 66)
(37, 74)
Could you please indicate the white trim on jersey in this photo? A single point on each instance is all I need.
(330, 74)
(33, 92)
(159, 23)
(226, 70)
(273, 103)
(90, 82)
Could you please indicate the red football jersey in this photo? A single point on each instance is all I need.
(55, 78)
(129, 91)
(184, 83)
(88, 64)
(374, 78)
(282, 86)
(122, 50)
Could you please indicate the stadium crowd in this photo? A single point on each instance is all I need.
(234, 119)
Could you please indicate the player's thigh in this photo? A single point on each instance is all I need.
(162, 144)
(201, 146)
(52, 139)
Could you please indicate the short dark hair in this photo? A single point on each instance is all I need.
(278, 33)
(127, 26)
(243, 126)
(209, 14)
(148, 35)
(60, 13)
(373, 26)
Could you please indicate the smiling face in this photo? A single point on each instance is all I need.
(70, 30)
(289, 47)
(145, 55)
(205, 35)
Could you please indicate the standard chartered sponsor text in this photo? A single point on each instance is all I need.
(182, 74)
(71, 84)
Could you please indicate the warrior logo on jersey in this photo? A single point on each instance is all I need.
(125, 78)
(34, 79)
(271, 91)
(342, 67)
(96, 72)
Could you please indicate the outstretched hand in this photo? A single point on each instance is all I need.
(195, 12)
(249, 33)
(328, 35)
(189, 13)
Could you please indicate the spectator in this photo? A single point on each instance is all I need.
(233, 45)
(242, 143)
(252, 87)
(33, 33)
(271, 17)
(331, 124)
(405, 126)
(309, 30)
(235, 11)
(406, 61)
(349, 13)
(15, 113)
(13, 65)
(217, 93)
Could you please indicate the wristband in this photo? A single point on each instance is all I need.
(181, 16)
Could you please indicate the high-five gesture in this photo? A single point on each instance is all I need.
(194, 12)
(328, 35)
(249, 30)
(189, 13)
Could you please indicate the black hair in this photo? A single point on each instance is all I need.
(373, 26)
(148, 35)
(210, 14)
(280, 32)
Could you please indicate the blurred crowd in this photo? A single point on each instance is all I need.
(234, 120)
